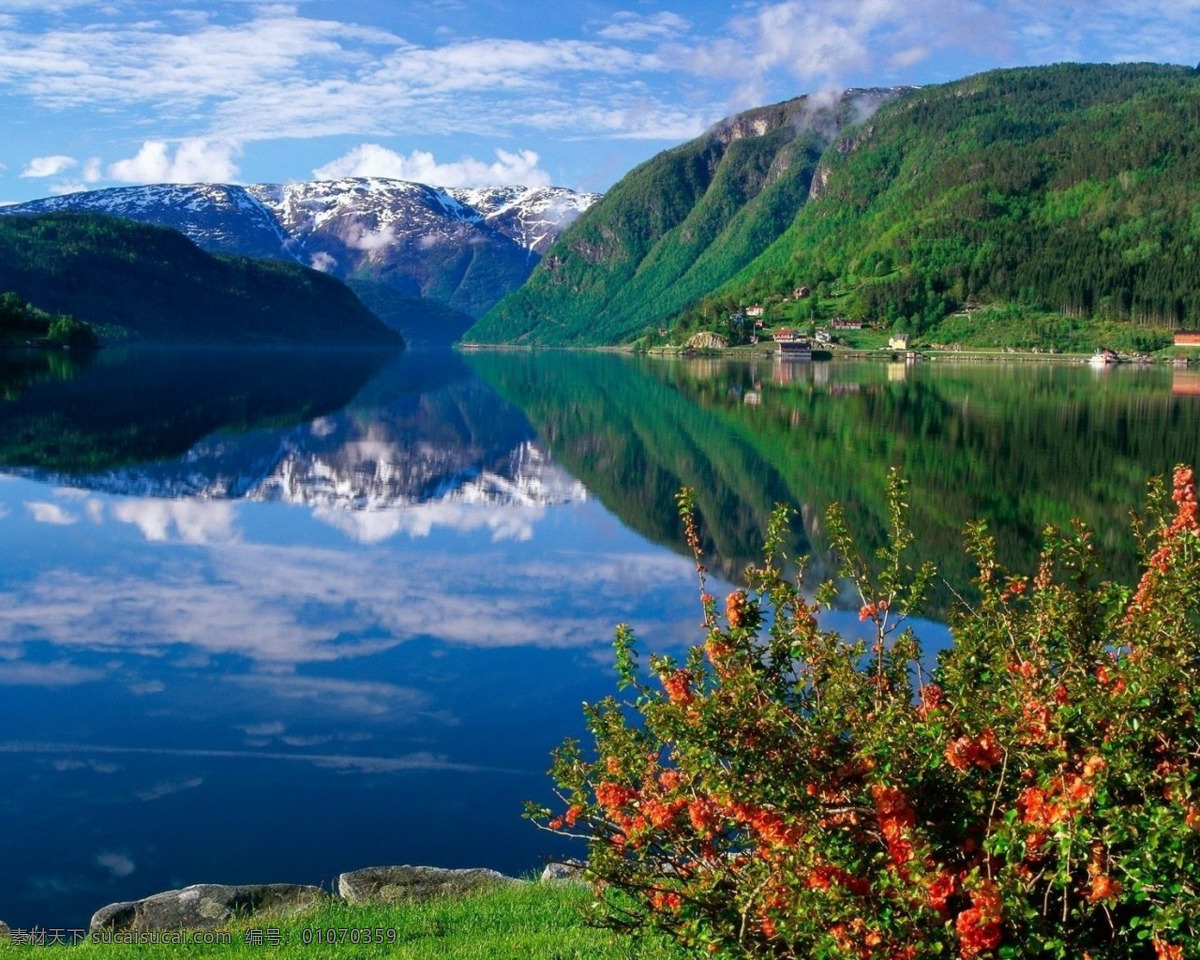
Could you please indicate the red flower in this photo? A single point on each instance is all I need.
(1104, 887)
(679, 687)
(704, 816)
(871, 610)
(979, 925)
(982, 751)
(613, 797)
(1167, 951)
(941, 888)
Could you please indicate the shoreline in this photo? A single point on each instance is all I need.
(885, 355)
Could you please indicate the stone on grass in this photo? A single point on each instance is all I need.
(564, 871)
(399, 884)
(205, 906)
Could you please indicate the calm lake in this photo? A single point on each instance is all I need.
(271, 616)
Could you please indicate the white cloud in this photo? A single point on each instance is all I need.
(364, 697)
(117, 864)
(192, 521)
(419, 520)
(279, 608)
(360, 238)
(193, 161)
(821, 45)
(323, 261)
(58, 674)
(372, 160)
(50, 513)
(96, 766)
(631, 26)
(420, 760)
(48, 166)
(147, 688)
(272, 728)
(160, 790)
(270, 71)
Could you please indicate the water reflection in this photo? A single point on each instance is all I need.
(302, 596)
(1020, 446)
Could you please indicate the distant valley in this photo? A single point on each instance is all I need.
(428, 261)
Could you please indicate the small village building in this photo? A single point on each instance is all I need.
(792, 344)
(1187, 338)
(800, 293)
(823, 336)
(844, 323)
(898, 341)
(754, 310)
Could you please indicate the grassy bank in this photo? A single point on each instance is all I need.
(519, 922)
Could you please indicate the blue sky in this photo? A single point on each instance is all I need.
(98, 93)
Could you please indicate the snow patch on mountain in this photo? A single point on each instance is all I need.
(466, 248)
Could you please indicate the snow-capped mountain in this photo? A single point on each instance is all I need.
(465, 248)
(339, 463)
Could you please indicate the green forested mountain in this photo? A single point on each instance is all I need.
(675, 227)
(1072, 189)
(132, 281)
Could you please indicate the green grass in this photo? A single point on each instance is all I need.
(518, 922)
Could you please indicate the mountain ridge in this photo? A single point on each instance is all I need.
(461, 247)
(138, 282)
(1033, 199)
(679, 224)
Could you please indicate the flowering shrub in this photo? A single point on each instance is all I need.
(787, 792)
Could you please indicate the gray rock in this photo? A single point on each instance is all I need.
(205, 906)
(5, 933)
(565, 871)
(392, 884)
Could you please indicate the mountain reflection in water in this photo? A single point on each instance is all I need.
(267, 616)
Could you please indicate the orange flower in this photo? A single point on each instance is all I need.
(679, 687)
(736, 608)
(931, 700)
(941, 888)
(670, 779)
(1167, 951)
(871, 610)
(978, 926)
(612, 796)
(703, 814)
(982, 751)
(1103, 888)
